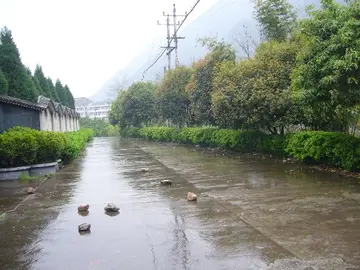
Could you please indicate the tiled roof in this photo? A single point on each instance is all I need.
(20, 102)
(42, 104)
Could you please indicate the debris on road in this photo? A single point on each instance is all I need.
(84, 227)
(110, 207)
(166, 182)
(191, 196)
(83, 207)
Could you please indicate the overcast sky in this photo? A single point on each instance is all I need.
(84, 42)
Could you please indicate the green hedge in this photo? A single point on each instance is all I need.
(21, 146)
(330, 148)
(239, 140)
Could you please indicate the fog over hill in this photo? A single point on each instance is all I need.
(224, 20)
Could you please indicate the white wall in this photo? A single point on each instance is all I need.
(45, 120)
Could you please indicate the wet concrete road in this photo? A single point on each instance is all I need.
(250, 214)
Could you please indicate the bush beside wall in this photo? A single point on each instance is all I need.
(330, 148)
(21, 146)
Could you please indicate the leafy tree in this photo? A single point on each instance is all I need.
(135, 107)
(59, 88)
(3, 84)
(172, 99)
(277, 18)
(54, 94)
(200, 85)
(256, 93)
(101, 127)
(19, 82)
(326, 79)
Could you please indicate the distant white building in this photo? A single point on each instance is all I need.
(94, 110)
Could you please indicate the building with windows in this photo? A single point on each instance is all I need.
(94, 110)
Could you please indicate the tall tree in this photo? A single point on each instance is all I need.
(69, 97)
(20, 84)
(31, 84)
(326, 79)
(37, 85)
(39, 75)
(3, 84)
(59, 88)
(172, 99)
(276, 18)
(135, 107)
(54, 95)
(200, 85)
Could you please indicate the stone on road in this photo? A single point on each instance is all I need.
(110, 207)
(84, 227)
(83, 207)
(191, 196)
(30, 190)
(166, 182)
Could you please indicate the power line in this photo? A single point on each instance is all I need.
(171, 39)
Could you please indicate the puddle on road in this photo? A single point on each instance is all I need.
(158, 229)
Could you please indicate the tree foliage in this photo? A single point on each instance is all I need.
(19, 79)
(276, 18)
(200, 85)
(3, 84)
(19, 82)
(135, 107)
(173, 101)
(101, 127)
(255, 93)
(326, 79)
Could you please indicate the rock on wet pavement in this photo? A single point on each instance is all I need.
(110, 207)
(83, 207)
(191, 196)
(166, 182)
(144, 170)
(30, 190)
(84, 227)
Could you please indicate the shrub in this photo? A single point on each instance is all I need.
(336, 149)
(21, 146)
(18, 147)
(331, 148)
(75, 143)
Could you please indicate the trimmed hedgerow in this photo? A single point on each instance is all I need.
(330, 148)
(21, 146)
(239, 140)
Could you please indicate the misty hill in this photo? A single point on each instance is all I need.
(224, 20)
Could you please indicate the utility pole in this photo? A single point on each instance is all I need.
(168, 37)
(176, 38)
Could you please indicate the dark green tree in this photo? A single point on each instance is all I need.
(3, 84)
(54, 95)
(44, 85)
(276, 18)
(59, 88)
(19, 83)
(37, 85)
(69, 97)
